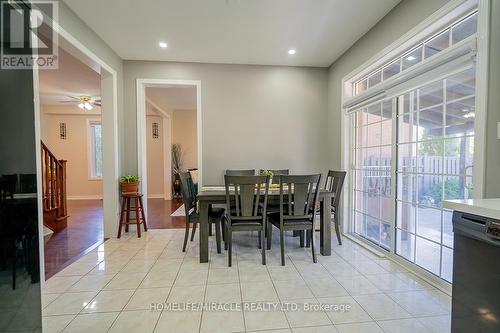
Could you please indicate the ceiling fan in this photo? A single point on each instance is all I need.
(85, 102)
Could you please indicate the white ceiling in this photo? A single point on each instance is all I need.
(232, 31)
(72, 78)
(170, 98)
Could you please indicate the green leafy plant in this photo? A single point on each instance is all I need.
(129, 178)
(267, 173)
(177, 158)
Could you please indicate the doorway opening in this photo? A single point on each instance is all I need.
(169, 142)
(83, 87)
(72, 169)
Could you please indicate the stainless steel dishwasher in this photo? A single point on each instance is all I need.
(476, 274)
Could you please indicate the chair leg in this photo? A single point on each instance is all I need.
(263, 245)
(301, 234)
(137, 217)
(259, 233)
(210, 233)
(217, 234)
(282, 245)
(308, 238)
(269, 235)
(122, 212)
(143, 215)
(230, 247)
(337, 229)
(127, 214)
(226, 237)
(186, 236)
(193, 231)
(311, 237)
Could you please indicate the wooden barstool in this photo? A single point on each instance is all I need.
(138, 208)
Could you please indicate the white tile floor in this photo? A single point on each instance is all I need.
(111, 290)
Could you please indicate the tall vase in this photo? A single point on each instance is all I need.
(177, 186)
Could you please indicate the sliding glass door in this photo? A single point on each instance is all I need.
(435, 144)
(430, 158)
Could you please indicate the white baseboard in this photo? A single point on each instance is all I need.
(84, 197)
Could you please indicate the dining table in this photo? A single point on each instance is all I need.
(216, 195)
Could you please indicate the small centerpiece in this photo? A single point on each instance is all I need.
(129, 183)
(267, 173)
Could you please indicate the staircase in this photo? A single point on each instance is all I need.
(55, 209)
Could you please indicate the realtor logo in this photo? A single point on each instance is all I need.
(27, 36)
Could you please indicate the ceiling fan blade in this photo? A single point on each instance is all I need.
(68, 102)
(73, 97)
(98, 103)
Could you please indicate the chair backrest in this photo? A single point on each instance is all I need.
(27, 183)
(188, 192)
(334, 183)
(299, 196)
(276, 174)
(248, 172)
(244, 196)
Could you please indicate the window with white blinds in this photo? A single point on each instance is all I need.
(412, 146)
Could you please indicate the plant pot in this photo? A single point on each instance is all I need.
(130, 187)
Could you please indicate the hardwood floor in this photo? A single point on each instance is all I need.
(159, 211)
(85, 229)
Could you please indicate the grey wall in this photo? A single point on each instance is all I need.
(253, 116)
(492, 188)
(70, 22)
(400, 20)
(17, 134)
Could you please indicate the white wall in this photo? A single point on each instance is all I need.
(74, 149)
(184, 129)
(253, 116)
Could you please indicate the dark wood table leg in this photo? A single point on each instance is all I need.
(203, 211)
(325, 227)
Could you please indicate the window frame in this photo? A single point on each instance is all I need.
(450, 14)
(91, 149)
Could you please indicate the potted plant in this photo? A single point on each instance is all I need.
(177, 167)
(129, 184)
(268, 173)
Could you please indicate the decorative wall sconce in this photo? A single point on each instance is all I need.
(155, 131)
(62, 131)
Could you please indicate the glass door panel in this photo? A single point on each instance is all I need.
(435, 145)
(372, 171)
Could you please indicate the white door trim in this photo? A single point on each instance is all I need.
(141, 85)
(111, 165)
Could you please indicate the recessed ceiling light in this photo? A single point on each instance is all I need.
(291, 52)
(411, 58)
(163, 45)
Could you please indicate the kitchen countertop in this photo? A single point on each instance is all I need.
(482, 207)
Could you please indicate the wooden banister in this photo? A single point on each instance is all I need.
(54, 190)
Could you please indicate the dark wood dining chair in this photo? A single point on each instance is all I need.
(273, 205)
(8, 186)
(247, 172)
(298, 200)
(215, 215)
(334, 183)
(246, 199)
